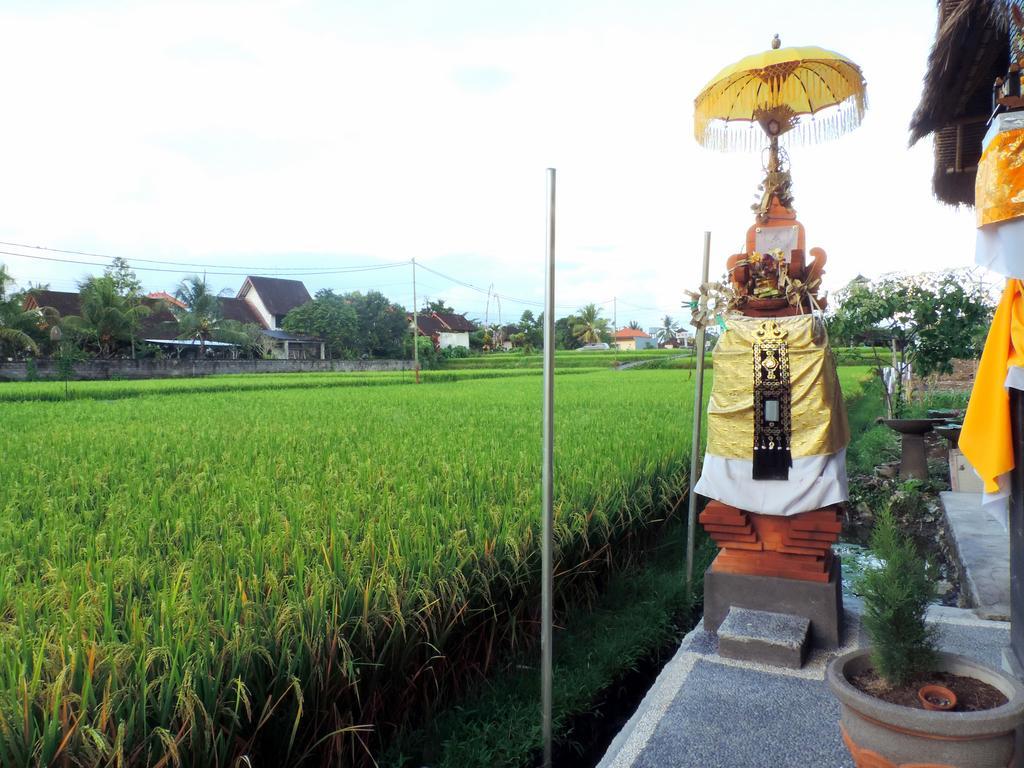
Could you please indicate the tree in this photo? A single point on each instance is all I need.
(590, 327)
(381, 327)
(106, 319)
(126, 282)
(564, 336)
(330, 317)
(15, 323)
(926, 320)
(437, 305)
(634, 325)
(668, 330)
(532, 329)
(202, 321)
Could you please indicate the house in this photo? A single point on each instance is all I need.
(446, 329)
(972, 46)
(264, 301)
(681, 340)
(158, 326)
(633, 339)
(273, 297)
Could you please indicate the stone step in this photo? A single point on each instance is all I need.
(778, 639)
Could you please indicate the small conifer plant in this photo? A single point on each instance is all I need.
(896, 597)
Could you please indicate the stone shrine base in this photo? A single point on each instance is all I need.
(819, 602)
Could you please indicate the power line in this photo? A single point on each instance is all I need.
(243, 273)
(168, 263)
(504, 297)
(231, 271)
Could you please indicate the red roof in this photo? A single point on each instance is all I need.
(442, 322)
(631, 333)
(165, 296)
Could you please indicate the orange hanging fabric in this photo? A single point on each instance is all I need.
(986, 439)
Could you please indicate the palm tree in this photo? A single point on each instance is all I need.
(634, 325)
(199, 321)
(106, 318)
(202, 321)
(590, 325)
(14, 321)
(668, 329)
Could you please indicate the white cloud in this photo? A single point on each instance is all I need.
(285, 134)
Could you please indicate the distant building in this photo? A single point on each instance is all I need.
(633, 338)
(446, 329)
(159, 325)
(167, 298)
(273, 297)
(265, 301)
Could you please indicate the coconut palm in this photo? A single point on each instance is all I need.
(106, 319)
(633, 325)
(14, 322)
(202, 321)
(669, 329)
(590, 325)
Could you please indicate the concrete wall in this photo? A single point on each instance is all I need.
(162, 369)
(447, 339)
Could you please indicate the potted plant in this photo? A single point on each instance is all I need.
(903, 702)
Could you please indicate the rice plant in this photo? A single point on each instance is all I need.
(290, 574)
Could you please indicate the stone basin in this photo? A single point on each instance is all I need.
(914, 459)
(913, 426)
(951, 432)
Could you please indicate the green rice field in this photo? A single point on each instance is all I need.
(286, 569)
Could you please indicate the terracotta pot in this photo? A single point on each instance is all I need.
(883, 735)
(937, 698)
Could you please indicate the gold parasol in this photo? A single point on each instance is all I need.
(807, 94)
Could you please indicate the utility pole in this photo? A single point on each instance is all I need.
(615, 314)
(415, 326)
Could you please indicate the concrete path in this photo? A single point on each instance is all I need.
(705, 711)
(627, 366)
(982, 546)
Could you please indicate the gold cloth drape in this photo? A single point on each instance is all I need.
(818, 413)
(999, 187)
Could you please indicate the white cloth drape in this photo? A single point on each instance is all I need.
(814, 482)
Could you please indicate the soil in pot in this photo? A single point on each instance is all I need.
(972, 695)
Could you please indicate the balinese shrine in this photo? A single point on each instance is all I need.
(775, 462)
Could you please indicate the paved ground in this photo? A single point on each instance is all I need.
(983, 548)
(708, 712)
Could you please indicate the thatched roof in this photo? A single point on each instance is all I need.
(971, 49)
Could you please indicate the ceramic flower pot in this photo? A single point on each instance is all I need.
(883, 735)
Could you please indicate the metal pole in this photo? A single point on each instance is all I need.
(415, 327)
(698, 412)
(1016, 524)
(547, 476)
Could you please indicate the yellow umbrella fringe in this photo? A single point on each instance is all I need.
(740, 135)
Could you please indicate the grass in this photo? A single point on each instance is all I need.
(643, 609)
(564, 359)
(114, 390)
(264, 572)
(653, 358)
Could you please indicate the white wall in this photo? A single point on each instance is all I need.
(453, 340)
(253, 300)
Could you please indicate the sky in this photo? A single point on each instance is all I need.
(304, 136)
